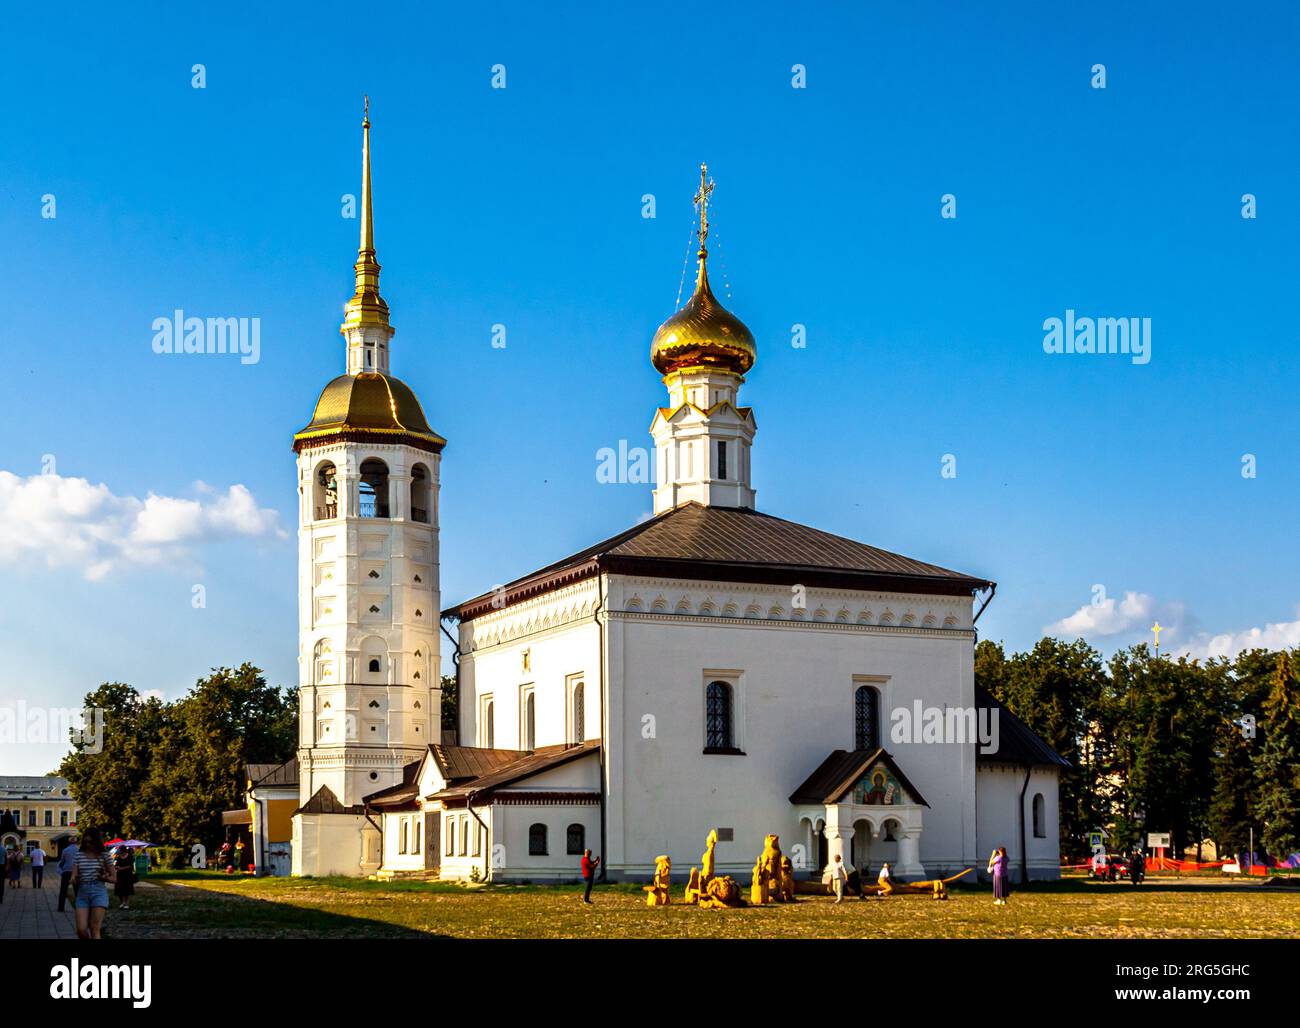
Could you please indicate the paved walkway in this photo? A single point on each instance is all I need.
(29, 913)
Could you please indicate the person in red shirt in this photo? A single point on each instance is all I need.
(589, 865)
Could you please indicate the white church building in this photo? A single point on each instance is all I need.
(712, 667)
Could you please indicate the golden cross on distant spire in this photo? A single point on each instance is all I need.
(1157, 628)
(702, 202)
(366, 119)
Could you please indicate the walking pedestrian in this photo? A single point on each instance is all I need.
(589, 865)
(38, 867)
(67, 858)
(91, 874)
(838, 877)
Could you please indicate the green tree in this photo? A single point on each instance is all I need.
(1277, 769)
(103, 782)
(1055, 689)
(450, 703)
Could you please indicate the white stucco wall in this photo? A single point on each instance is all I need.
(997, 802)
(795, 704)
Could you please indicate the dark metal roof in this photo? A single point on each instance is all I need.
(403, 794)
(526, 766)
(1017, 742)
(285, 774)
(325, 802)
(734, 544)
(458, 763)
(837, 773)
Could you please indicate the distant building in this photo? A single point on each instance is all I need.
(36, 808)
(265, 823)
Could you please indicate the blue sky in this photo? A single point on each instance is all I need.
(522, 207)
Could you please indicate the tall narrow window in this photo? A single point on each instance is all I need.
(489, 723)
(537, 840)
(866, 718)
(717, 716)
(579, 713)
(1040, 817)
(403, 828)
(722, 460)
(530, 722)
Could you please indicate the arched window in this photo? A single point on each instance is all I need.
(866, 718)
(717, 716)
(1040, 816)
(420, 494)
(530, 722)
(537, 840)
(464, 836)
(489, 724)
(325, 492)
(373, 665)
(404, 826)
(579, 713)
(374, 489)
(575, 840)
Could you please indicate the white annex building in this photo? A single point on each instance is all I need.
(711, 667)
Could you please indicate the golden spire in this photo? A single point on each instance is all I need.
(366, 307)
(703, 334)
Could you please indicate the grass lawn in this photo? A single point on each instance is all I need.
(217, 906)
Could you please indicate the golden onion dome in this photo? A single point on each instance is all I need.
(371, 406)
(703, 334)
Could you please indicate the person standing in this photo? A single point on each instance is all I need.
(67, 858)
(998, 869)
(91, 874)
(838, 877)
(124, 887)
(38, 867)
(589, 865)
(15, 867)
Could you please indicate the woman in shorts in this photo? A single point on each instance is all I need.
(91, 876)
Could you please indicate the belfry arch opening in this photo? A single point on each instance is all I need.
(325, 492)
(374, 489)
(420, 493)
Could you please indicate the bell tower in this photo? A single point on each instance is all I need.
(368, 592)
(703, 437)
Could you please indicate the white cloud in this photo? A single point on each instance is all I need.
(1106, 617)
(1277, 636)
(68, 522)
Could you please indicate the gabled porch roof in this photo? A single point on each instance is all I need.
(836, 775)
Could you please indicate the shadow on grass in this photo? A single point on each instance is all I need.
(172, 912)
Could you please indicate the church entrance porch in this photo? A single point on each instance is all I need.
(860, 807)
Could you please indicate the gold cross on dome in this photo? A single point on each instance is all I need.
(1157, 628)
(702, 202)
